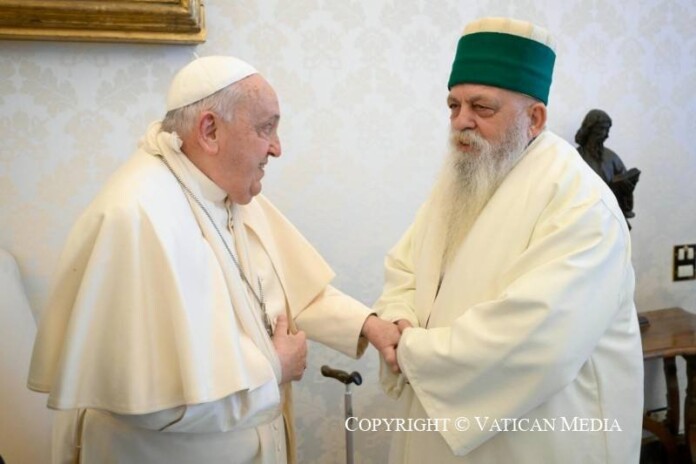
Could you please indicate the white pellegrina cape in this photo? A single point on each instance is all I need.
(530, 351)
(149, 313)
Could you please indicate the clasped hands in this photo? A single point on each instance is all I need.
(292, 348)
(385, 337)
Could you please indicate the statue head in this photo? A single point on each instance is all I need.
(595, 127)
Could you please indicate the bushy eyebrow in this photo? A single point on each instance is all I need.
(487, 100)
(477, 98)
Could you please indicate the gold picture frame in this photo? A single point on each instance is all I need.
(149, 21)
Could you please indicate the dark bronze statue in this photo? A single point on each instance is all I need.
(607, 164)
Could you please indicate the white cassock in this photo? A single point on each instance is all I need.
(534, 320)
(152, 347)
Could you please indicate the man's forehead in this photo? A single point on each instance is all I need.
(260, 99)
(267, 108)
(469, 92)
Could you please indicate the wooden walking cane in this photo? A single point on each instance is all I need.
(346, 379)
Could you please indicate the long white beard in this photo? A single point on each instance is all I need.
(469, 180)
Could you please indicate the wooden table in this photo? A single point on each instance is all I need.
(672, 333)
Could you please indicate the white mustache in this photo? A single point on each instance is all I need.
(468, 137)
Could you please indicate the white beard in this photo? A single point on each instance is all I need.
(469, 180)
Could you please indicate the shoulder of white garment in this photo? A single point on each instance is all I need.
(139, 233)
(302, 271)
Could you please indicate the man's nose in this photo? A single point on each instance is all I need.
(275, 149)
(463, 119)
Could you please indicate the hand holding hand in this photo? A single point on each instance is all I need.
(291, 349)
(385, 337)
(402, 324)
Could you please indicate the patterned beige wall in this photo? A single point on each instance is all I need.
(362, 88)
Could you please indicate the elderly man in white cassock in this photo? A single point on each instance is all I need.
(513, 287)
(171, 333)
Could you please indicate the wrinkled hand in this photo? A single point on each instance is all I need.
(291, 349)
(402, 324)
(385, 337)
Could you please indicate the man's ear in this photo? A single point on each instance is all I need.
(207, 131)
(537, 118)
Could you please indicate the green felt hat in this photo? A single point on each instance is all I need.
(507, 53)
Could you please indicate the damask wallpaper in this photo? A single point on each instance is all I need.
(362, 88)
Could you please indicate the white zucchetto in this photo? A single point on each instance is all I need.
(205, 76)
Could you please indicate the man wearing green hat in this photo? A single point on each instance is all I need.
(513, 288)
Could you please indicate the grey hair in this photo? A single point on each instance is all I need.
(223, 103)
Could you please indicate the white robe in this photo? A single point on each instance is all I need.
(534, 320)
(152, 347)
